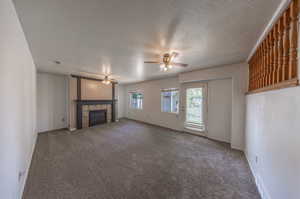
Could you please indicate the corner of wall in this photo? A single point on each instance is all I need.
(258, 181)
(239, 88)
(28, 164)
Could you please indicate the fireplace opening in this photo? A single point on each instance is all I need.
(97, 117)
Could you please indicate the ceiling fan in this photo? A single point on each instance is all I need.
(167, 61)
(107, 80)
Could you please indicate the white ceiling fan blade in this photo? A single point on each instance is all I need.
(151, 62)
(179, 64)
(99, 74)
(173, 55)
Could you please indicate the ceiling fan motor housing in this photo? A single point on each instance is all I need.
(166, 58)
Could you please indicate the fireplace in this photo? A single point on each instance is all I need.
(84, 107)
(89, 100)
(97, 117)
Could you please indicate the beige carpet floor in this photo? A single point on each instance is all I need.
(131, 160)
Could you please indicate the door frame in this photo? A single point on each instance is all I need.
(182, 109)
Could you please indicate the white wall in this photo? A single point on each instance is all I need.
(238, 74)
(226, 103)
(95, 90)
(151, 112)
(219, 109)
(273, 136)
(72, 96)
(52, 102)
(17, 103)
(120, 94)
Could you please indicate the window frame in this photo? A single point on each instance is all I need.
(191, 123)
(161, 100)
(189, 126)
(130, 100)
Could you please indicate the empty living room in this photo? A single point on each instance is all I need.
(149, 99)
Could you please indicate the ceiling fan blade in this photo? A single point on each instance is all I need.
(151, 62)
(173, 55)
(179, 64)
(99, 74)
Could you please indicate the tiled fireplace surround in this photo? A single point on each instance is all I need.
(87, 108)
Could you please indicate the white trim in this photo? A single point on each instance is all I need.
(282, 6)
(130, 100)
(258, 180)
(183, 109)
(195, 129)
(162, 100)
(236, 147)
(169, 89)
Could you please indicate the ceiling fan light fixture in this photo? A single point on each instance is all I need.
(167, 62)
(106, 80)
(57, 62)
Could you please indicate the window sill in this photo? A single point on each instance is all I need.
(170, 113)
(193, 127)
(139, 109)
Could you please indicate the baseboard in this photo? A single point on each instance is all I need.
(28, 167)
(240, 148)
(60, 129)
(217, 139)
(180, 131)
(258, 181)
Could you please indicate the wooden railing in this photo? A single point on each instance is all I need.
(274, 64)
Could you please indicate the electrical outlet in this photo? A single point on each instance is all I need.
(21, 174)
(256, 159)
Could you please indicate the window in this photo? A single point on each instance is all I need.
(170, 100)
(194, 108)
(136, 100)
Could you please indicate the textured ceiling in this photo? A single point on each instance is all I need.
(116, 36)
